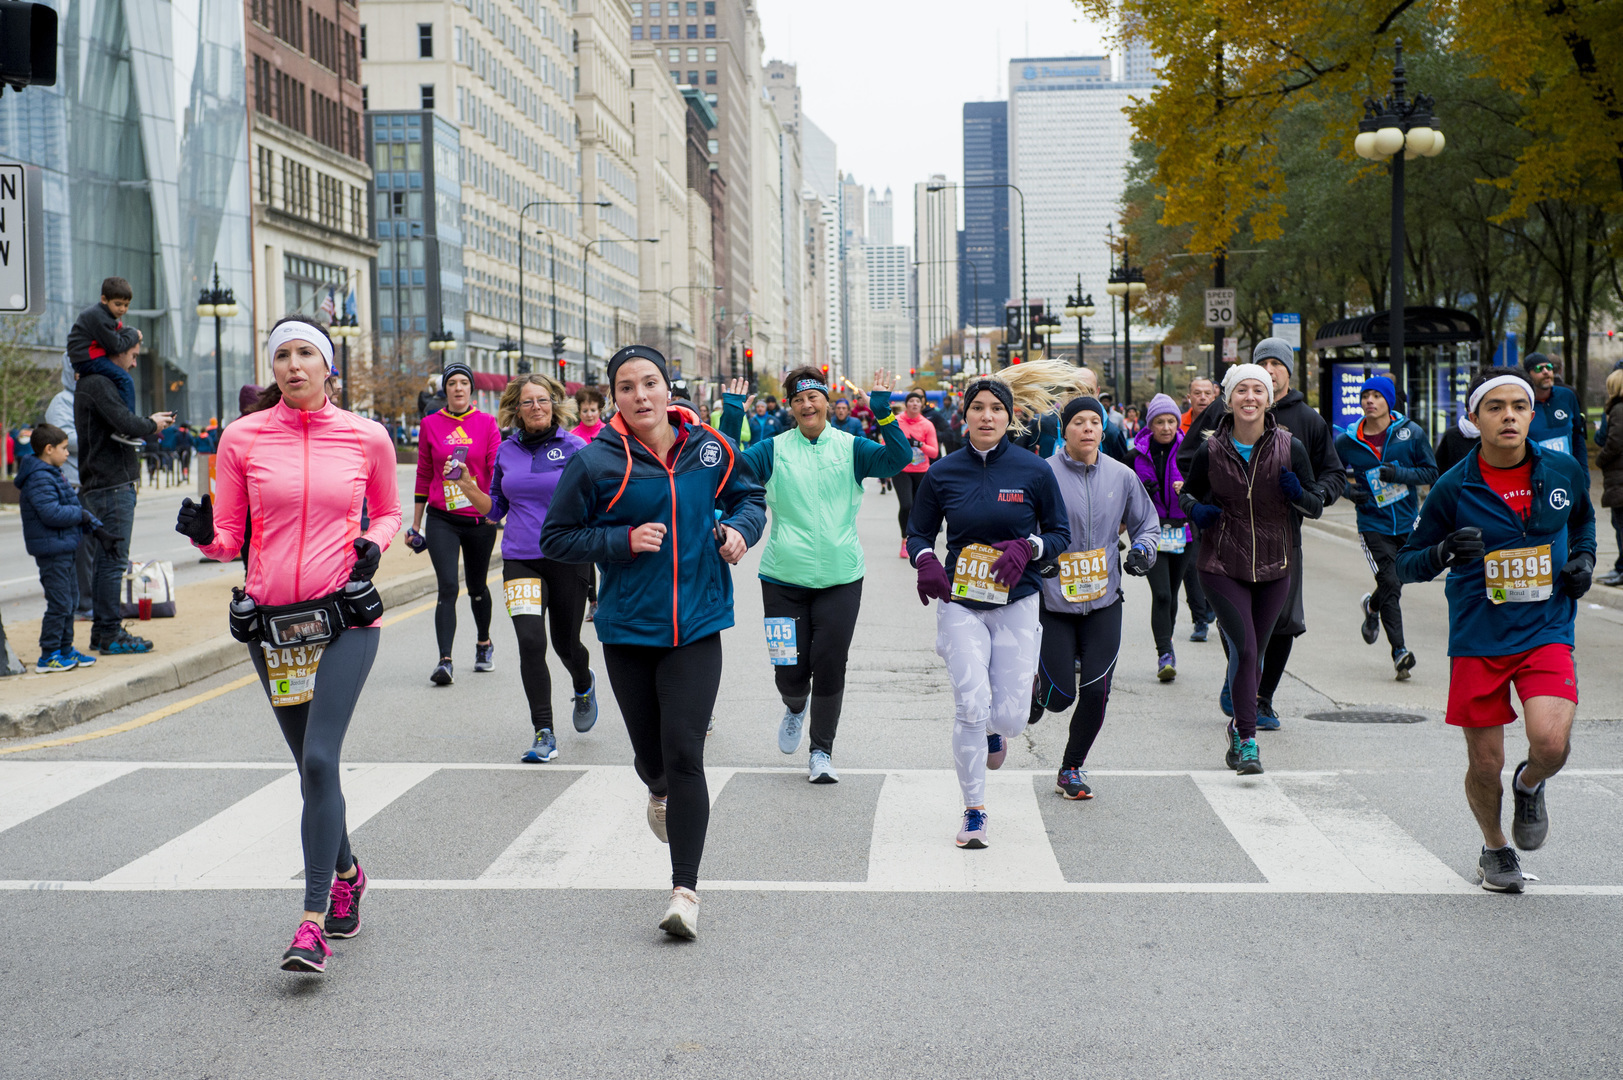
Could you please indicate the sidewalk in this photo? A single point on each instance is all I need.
(191, 646)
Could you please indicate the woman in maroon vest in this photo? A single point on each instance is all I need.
(1241, 487)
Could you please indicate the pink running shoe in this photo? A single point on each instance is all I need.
(309, 950)
(973, 834)
(344, 909)
(996, 751)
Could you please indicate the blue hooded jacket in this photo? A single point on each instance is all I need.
(614, 484)
(53, 520)
(1407, 451)
(1558, 424)
(1562, 517)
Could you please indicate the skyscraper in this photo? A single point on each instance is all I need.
(881, 218)
(935, 239)
(983, 279)
(881, 327)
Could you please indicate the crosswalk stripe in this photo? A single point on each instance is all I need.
(29, 788)
(1277, 835)
(912, 848)
(1371, 842)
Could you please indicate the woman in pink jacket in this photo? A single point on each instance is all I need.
(921, 434)
(455, 438)
(298, 469)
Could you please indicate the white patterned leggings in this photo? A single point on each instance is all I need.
(991, 658)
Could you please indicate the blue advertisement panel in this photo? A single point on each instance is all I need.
(1451, 401)
(1345, 379)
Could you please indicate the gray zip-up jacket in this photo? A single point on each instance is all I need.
(1098, 498)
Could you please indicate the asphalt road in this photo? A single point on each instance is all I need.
(1316, 922)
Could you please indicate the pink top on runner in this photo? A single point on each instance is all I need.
(439, 437)
(586, 432)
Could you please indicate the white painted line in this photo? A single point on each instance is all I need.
(29, 788)
(1278, 836)
(1377, 848)
(594, 835)
(918, 816)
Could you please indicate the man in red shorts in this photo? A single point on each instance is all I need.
(1514, 526)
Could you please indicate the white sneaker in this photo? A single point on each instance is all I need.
(820, 770)
(656, 818)
(682, 917)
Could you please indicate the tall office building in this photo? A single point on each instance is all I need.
(142, 147)
(881, 218)
(935, 239)
(673, 308)
(312, 233)
(1138, 63)
(820, 172)
(853, 210)
(881, 326)
(983, 276)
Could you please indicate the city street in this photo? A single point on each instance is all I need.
(1319, 920)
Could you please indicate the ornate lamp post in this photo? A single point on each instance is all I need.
(217, 303)
(1079, 307)
(344, 328)
(1127, 282)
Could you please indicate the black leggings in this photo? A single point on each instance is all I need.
(562, 588)
(1095, 639)
(315, 733)
(474, 541)
(907, 486)
(1387, 599)
(1246, 613)
(666, 696)
(824, 621)
(1165, 577)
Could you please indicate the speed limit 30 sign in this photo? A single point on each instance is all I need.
(1219, 307)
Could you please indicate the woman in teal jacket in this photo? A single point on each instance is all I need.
(812, 568)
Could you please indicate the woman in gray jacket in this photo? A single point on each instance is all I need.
(1081, 609)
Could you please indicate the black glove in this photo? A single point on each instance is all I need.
(1577, 575)
(1153, 488)
(86, 517)
(109, 543)
(1290, 485)
(1359, 495)
(196, 520)
(1460, 546)
(1136, 561)
(367, 557)
(1389, 473)
(1205, 515)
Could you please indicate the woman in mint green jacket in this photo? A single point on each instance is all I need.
(812, 565)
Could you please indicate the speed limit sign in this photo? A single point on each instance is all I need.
(1219, 307)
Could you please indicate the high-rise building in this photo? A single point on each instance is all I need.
(142, 147)
(820, 171)
(853, 210)
(1138, 63)
(881, 327)
(881, 218)
(769, 294)
(935, 239)
(983, 277)
(312, 236)
(674, 309)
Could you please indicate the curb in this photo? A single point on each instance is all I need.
(159, 676)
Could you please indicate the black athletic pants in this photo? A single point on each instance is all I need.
(1382, 553)
(666, 696)
(1246, 613)
(1165, 577)
(563, 598)
(1292, 623)
(449, 536)
(315, 733)
(1194, 594)
(1095, 639)
(824, 621)
(907, 486)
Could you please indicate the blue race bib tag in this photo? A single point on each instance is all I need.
(1385, 493)
(1561, 443)
(780, 642)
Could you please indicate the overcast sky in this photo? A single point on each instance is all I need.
(887, 79)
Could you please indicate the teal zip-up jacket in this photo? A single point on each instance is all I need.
(1558, 424)
(1405, 450)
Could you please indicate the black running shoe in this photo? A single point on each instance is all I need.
(1250, 759)
(1500, 870)
(1372, 621)
(344, 909)
(1532, 825)
(1073, 784)
(1231, 758)
(309, 951)
(442, 674)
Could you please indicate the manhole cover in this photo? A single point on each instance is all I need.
(1357, 716)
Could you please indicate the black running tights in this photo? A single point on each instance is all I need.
(1095, 639)
(666, 696)
(1246, 613)
(315, 733)
(562, 587)
(1165, 577)
(907, 486)
(474, 543)
(824, 621)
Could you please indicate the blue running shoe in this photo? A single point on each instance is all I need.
(789, 729)
(543, 750)
(820, 769)
(56, 661)
(1250, 759)
(1198, 633)
(586, 707)
(996, 751)
(973, 834)
(1225, 698)
(1073, 784)
(1267, 719)
(1166, 666)
(85, 659)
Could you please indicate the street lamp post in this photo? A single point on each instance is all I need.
(509, 351)
(670, 300)
(217, 303)
(1127, 282)
(440, 342)
(1079, 307)
(344, 328)
(1025, 310)
(585, 298)
(580, 204)
(1398, 124)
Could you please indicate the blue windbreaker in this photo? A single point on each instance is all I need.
(1558, 424)
(1562, 517)
(1407, 451)
(614, 484)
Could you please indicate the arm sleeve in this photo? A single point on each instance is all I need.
(932, 449)
(757, 456)
(925, 521)
(425, 464)
(1417, 559)
(883, 459)
(1312, 502)
(105, 330)
(60, 413)
(104, 400)
(498, 501)
(1580, 439)
(382, 488)
(1197, 483)
(1195, 438)
(230, 500)
(1612, 449)
(567, 535)
(52, 512)
(743, 501)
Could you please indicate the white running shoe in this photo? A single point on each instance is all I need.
(820, 770)
(682, 916)
(656, 818)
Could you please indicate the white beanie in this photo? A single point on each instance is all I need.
(1239, 373)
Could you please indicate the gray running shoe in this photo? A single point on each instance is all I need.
(656, 818)
(585, 707)
(1371, 629)
(1500, 871)
(1531, 825)
(789, 729)
(821, 769)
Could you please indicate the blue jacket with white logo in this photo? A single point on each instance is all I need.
(1562, 517)
(1407, 451)
(1558, 424)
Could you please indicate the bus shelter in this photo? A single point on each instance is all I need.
(1442, 350)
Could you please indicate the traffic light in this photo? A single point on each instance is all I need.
(749, 363)
(1002, 355)
(912, 371)
(825, 373)
(27, 45)
(557, 346)
(561, 370)
(733, 359)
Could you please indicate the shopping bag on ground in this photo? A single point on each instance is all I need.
(154, 581)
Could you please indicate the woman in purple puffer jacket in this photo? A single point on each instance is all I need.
(1155, 460)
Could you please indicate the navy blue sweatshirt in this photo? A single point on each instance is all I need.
(1010, 494)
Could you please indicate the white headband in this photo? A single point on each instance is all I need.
(1240, 372)
(299, 331)
(1493, 384)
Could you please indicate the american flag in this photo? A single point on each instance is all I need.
(329, 306)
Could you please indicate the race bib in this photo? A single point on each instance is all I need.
(780, 642)
(972, 577)
(918, 452)
(454, 498)
(523, 596)
(1563, 443)
(1084, 575)
(1384, 494)
(1173, 538)
(292, 673)
(1519, 575)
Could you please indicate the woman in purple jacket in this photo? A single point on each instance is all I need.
(528, 465)
(1155, 460)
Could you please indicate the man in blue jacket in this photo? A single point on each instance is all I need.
(1387, 457)
(1514, 526)
(1558, 418)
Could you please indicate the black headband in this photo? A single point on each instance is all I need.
(637, 352)
(997, 387)
(1076, 405)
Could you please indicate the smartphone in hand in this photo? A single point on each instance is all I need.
(459, 455)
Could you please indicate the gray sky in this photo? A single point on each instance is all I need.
(887, 79)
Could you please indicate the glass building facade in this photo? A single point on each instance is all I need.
(986, 214)
(142, 147)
